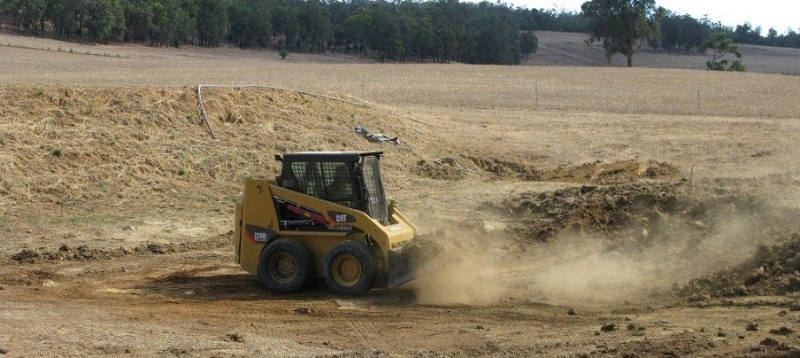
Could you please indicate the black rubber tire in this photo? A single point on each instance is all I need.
(286, 266)
(350, 269)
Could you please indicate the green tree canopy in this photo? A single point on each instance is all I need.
(212, 18)
(33, 12)
(622, 25)
(249, 23)
(104, 20)
(139, 20)
(528, 43)
(723, 45)
(397, 30)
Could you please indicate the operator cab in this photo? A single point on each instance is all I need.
(350, 179)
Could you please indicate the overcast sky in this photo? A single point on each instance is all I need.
(778, 14)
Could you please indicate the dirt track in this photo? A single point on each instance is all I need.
(568, 233)
(198, 304)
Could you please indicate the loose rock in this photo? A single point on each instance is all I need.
(234, 337)
(769, 342)
(26, 255)
(609, 327)
(302, 310)
(783, 331)
(696, 297)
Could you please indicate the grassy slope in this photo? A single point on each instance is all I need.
(115, 155)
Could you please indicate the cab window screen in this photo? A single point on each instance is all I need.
(372, 181)
(309, 180)
(332, 181)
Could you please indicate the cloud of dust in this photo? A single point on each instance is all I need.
(473, 280)
(584, 269)
(580, 268)
(463, 269)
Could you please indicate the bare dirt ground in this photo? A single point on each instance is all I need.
(600, 212)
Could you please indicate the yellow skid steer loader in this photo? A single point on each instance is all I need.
(325, 216)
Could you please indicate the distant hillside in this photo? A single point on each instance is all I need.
(555, 49)
(569, 49)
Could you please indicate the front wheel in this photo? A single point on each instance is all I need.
(286, 266)
(350, 269)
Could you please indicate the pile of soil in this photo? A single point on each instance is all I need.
(608, 211)
(645, 211)
(772, 270)
(598, 172)
(65, 252)
(732, 231)
(441, 169)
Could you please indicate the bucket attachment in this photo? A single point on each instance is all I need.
(409, 262)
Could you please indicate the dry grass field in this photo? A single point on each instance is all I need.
(660, 205)
(560, 49)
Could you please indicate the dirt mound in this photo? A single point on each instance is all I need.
(443, 169)
(643, 212)
(598, 172)
(615, 172)
(660, 235)
(87, 253)
(772, 270)
(604, 210)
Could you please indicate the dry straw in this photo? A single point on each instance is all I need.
(133, 148)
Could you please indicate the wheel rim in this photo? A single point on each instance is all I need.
(346, 270)
(282, 267)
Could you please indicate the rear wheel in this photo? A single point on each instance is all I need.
(350, 269)
(286, 266)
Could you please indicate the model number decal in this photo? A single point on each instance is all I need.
(259, 233)
(342, 227)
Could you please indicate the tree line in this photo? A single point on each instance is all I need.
(684, 33)
(407, 30)
(400, 30)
